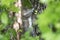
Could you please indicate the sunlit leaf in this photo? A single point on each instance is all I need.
(4, 18)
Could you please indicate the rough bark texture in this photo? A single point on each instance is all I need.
(18, 23)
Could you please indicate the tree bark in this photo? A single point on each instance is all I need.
(18, 23)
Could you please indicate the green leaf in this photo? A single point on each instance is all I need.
(2, 37)
(4, 18)
(48, 36)
(2, 26)
(7, 2)
(13, 8)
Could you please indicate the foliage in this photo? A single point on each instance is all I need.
(27, 36)
(5, 7)
(50, 16)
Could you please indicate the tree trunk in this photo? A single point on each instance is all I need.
(18, 23)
